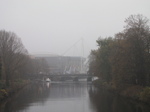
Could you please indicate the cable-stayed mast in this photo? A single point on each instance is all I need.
(80, 67)
(82, 56)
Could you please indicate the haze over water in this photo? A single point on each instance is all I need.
(68, 97)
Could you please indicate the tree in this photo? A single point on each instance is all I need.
(12, 53)
(125, 59)
(100, 64)
(93, 65)
(122, 63)
(137, 34)
(132, 54)
(104, 53)
(0, 68)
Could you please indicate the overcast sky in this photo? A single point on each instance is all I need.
(53, 26)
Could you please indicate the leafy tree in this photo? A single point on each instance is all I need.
(131, 54)
(104, 53)
(121, 62)
(100, 62)
(93, 65)
(125, 59)
(137, 35)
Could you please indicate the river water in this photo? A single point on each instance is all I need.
(68, 97)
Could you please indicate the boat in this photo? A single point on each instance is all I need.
(48, 80)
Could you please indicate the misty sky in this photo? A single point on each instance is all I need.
(53, 26)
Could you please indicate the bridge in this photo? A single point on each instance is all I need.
(63, 77)
(69, 75)
(63, 68)
(73, 77)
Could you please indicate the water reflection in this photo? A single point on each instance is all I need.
(68, 97)
(104, 101)
(62, 97)
(27, 96)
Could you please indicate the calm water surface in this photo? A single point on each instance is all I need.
(68, 97)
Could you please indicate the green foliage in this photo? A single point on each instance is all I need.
(145, 94)
(124, 59)
(102, 63)
(3, 93)
(15, 86)
(104, 54)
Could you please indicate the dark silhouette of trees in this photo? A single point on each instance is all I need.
(0, 68)
(137, 35)
(93, 65)
(103, 60)
(13, 54)
(16, 64)
(125, 59)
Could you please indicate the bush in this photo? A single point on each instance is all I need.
(102, 84)
(145, 94)
(3, 93)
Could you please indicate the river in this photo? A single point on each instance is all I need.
(68, 97)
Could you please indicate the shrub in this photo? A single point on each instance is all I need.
(3, 93)
(145, 94)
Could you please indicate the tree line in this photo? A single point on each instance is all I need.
(125, 58)
(15, 62)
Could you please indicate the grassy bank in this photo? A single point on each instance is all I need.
(16, 85)
(135, 92)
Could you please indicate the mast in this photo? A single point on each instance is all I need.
(82, 55)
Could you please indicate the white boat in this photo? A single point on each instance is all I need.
(48, 80)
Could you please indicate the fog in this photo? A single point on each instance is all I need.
(58, 26)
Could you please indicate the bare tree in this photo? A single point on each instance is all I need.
(13, 54)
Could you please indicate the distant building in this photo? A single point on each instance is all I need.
(31, 56)
(63, 64)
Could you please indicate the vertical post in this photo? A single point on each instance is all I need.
(82, 55)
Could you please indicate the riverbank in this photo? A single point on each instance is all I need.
(134, 92)
(15, 86)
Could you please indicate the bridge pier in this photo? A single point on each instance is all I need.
(76, 79)
(89, 79)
